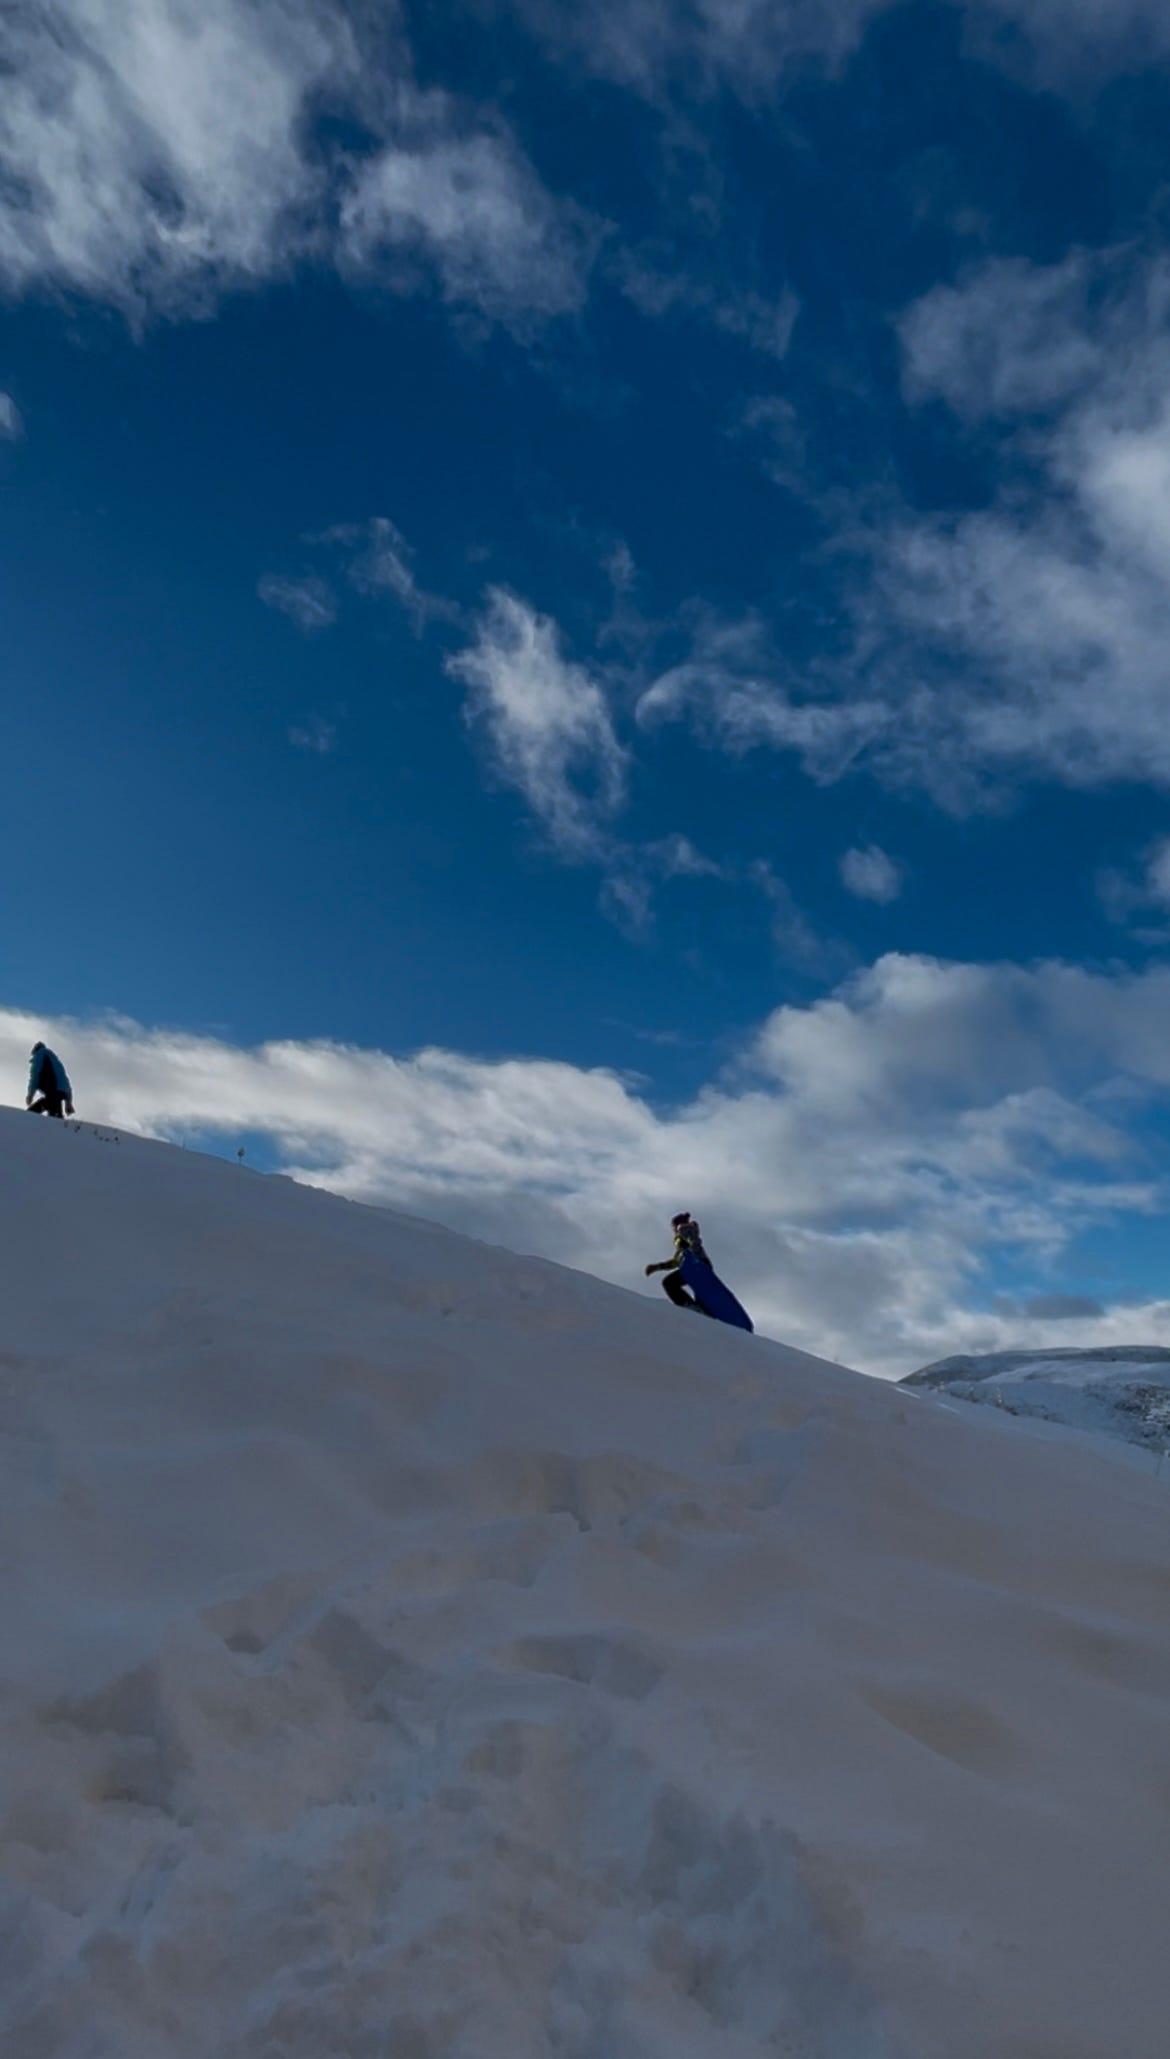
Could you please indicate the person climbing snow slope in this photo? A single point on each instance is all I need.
(687, 1242)
(49, 1091)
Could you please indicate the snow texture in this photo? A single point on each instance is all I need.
(1120, 1390)
(412, 1651)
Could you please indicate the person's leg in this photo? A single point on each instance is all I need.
(55, 1103)
(672, 1285)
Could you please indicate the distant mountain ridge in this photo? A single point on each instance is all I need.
(1121, 1389)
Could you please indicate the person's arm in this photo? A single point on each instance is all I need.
(667, 1265)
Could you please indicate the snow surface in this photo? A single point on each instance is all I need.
(1121, 1390)
(412, 1651)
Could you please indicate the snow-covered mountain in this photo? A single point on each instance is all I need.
(413, 1651)
(1122, 1390)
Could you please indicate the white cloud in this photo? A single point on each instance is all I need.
(309, 602)
(1049, 612)
(1011, 338)
(857, 1170)
(547, 721)
(153, 150)
(871, 874)
(1023, 639)
(11, 420)
(158, 153)
(155, 154)
(472, 210)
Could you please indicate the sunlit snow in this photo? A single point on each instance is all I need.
(412, 1651)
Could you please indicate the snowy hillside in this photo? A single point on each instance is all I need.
(1120, 1390)
(412, 1651)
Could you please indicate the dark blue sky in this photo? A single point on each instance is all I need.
(796, 385)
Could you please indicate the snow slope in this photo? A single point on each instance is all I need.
(1121, 1390)
(412, 1651)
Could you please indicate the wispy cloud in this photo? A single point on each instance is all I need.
(309, 602)
(871, 874)
(470, 208)
(1140, 900)
(774, 430)
(660, 47)
(860, 1168)
(380, 561)
(11, 420)
(636, 871)
(666, 49)
(374, 558)
(550, 730)
(765, 324)
(796, 940)
(669, 283)
(317, 737)
(735, 686)
(547, 721)
(1158, 873)
(1069, 46)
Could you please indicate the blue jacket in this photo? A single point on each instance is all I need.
(688, 1243)
(37, 1063)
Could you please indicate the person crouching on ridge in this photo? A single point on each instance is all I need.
(49, 1091)
(687, 1243)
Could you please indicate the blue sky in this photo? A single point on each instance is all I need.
(635, 562)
